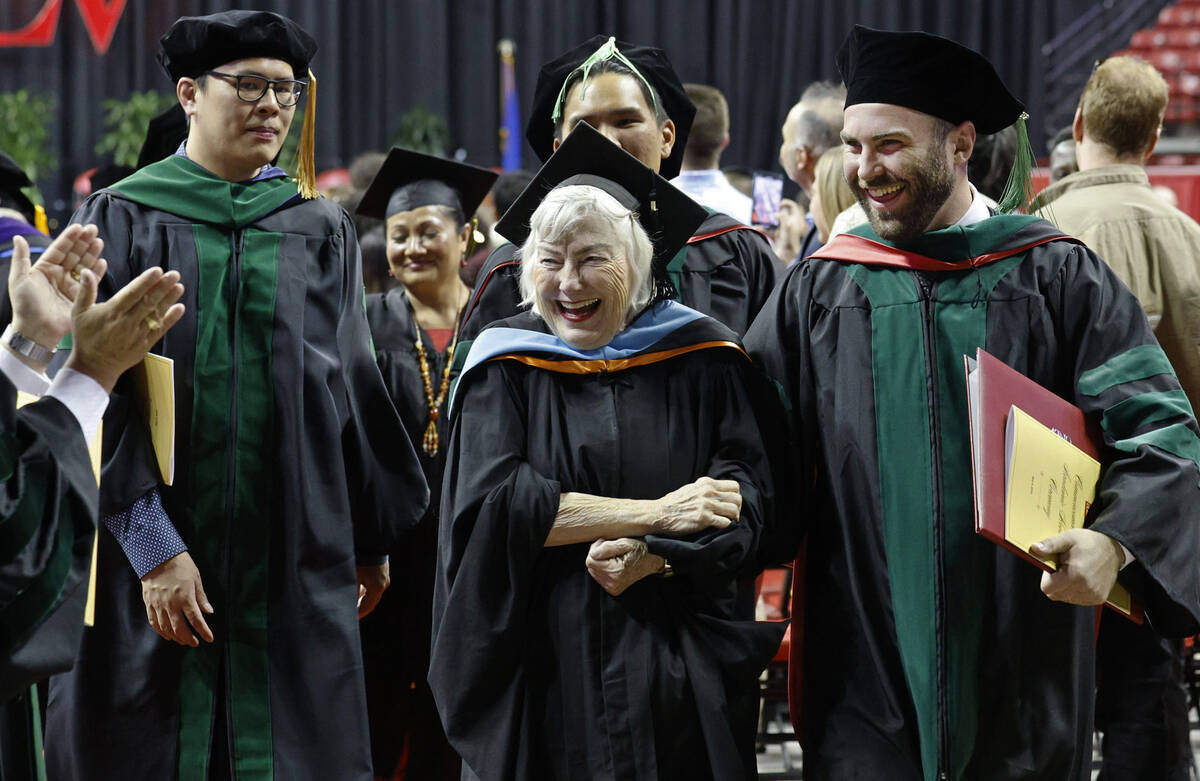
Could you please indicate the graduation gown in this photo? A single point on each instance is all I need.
(537, 671)
(929, 652)
(47, 524)
(726, 271)
(396, 634)
(291, 466)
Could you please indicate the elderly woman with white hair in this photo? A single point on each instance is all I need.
(607, 486)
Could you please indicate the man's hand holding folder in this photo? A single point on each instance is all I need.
(1088, 563)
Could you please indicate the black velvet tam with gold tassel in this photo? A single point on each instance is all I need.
(196, 44)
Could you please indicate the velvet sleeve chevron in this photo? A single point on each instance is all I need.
(1149, 494)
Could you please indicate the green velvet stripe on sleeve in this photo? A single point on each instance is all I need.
(1131, 414)
(1127, 420)
(1137, 363)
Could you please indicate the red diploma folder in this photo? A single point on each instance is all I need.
(993, 388)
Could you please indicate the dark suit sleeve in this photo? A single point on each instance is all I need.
(729, 274)
(761, 269)
(496, 295)
(743, 437)
(387, 488)
(47, 519)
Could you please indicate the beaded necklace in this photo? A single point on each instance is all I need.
(430, 441)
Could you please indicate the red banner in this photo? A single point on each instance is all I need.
(100, 18)
(39, 32)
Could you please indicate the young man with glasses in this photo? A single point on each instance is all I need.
(226, 643)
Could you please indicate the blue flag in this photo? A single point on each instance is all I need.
(510, 110)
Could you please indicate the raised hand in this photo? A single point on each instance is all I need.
(42, 293)
(113, 336)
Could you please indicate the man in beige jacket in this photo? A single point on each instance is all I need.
(1141, 705)
(1108, 203)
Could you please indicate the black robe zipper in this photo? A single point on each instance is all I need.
(927, 288)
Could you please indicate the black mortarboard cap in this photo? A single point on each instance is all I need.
(12, 179)
(408, 180)
(195, 44)
(587, 157)
(927, 73)
(651, 62)
(163, 136)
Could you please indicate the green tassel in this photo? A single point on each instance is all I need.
(39, 753)
(607, 51)
(1018, 190)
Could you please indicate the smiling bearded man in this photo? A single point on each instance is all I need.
(226, 642)
(932, 654)
(923, 187)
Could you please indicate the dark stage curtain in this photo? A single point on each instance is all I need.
(378, 58)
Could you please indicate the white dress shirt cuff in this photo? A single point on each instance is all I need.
(21, 376)
(1128, 556)
(83, 396)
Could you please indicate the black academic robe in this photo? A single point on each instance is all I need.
(396, 635)
(726, 271)
(291, 467)
(47, 524)
(537, 671)
(926, 649)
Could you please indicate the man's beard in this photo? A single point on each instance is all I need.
(928, 186)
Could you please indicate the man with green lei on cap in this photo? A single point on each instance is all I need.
(929, 652)
(632, 95)
(226, 641)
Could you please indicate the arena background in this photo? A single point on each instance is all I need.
(379, 58)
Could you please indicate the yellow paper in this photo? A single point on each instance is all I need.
(89, 608)
(1049, 486)
(156, 382)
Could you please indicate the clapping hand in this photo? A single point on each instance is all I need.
(111, 337)
(43, 293)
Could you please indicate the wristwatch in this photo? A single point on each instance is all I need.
(22, 344)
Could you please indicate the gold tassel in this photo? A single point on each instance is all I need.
(430, 441)
(306, 167)
(39, 219)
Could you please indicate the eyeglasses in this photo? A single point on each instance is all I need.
(252, 88)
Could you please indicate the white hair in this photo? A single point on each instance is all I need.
(561, 213)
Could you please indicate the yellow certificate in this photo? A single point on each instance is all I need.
(1049, 486)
